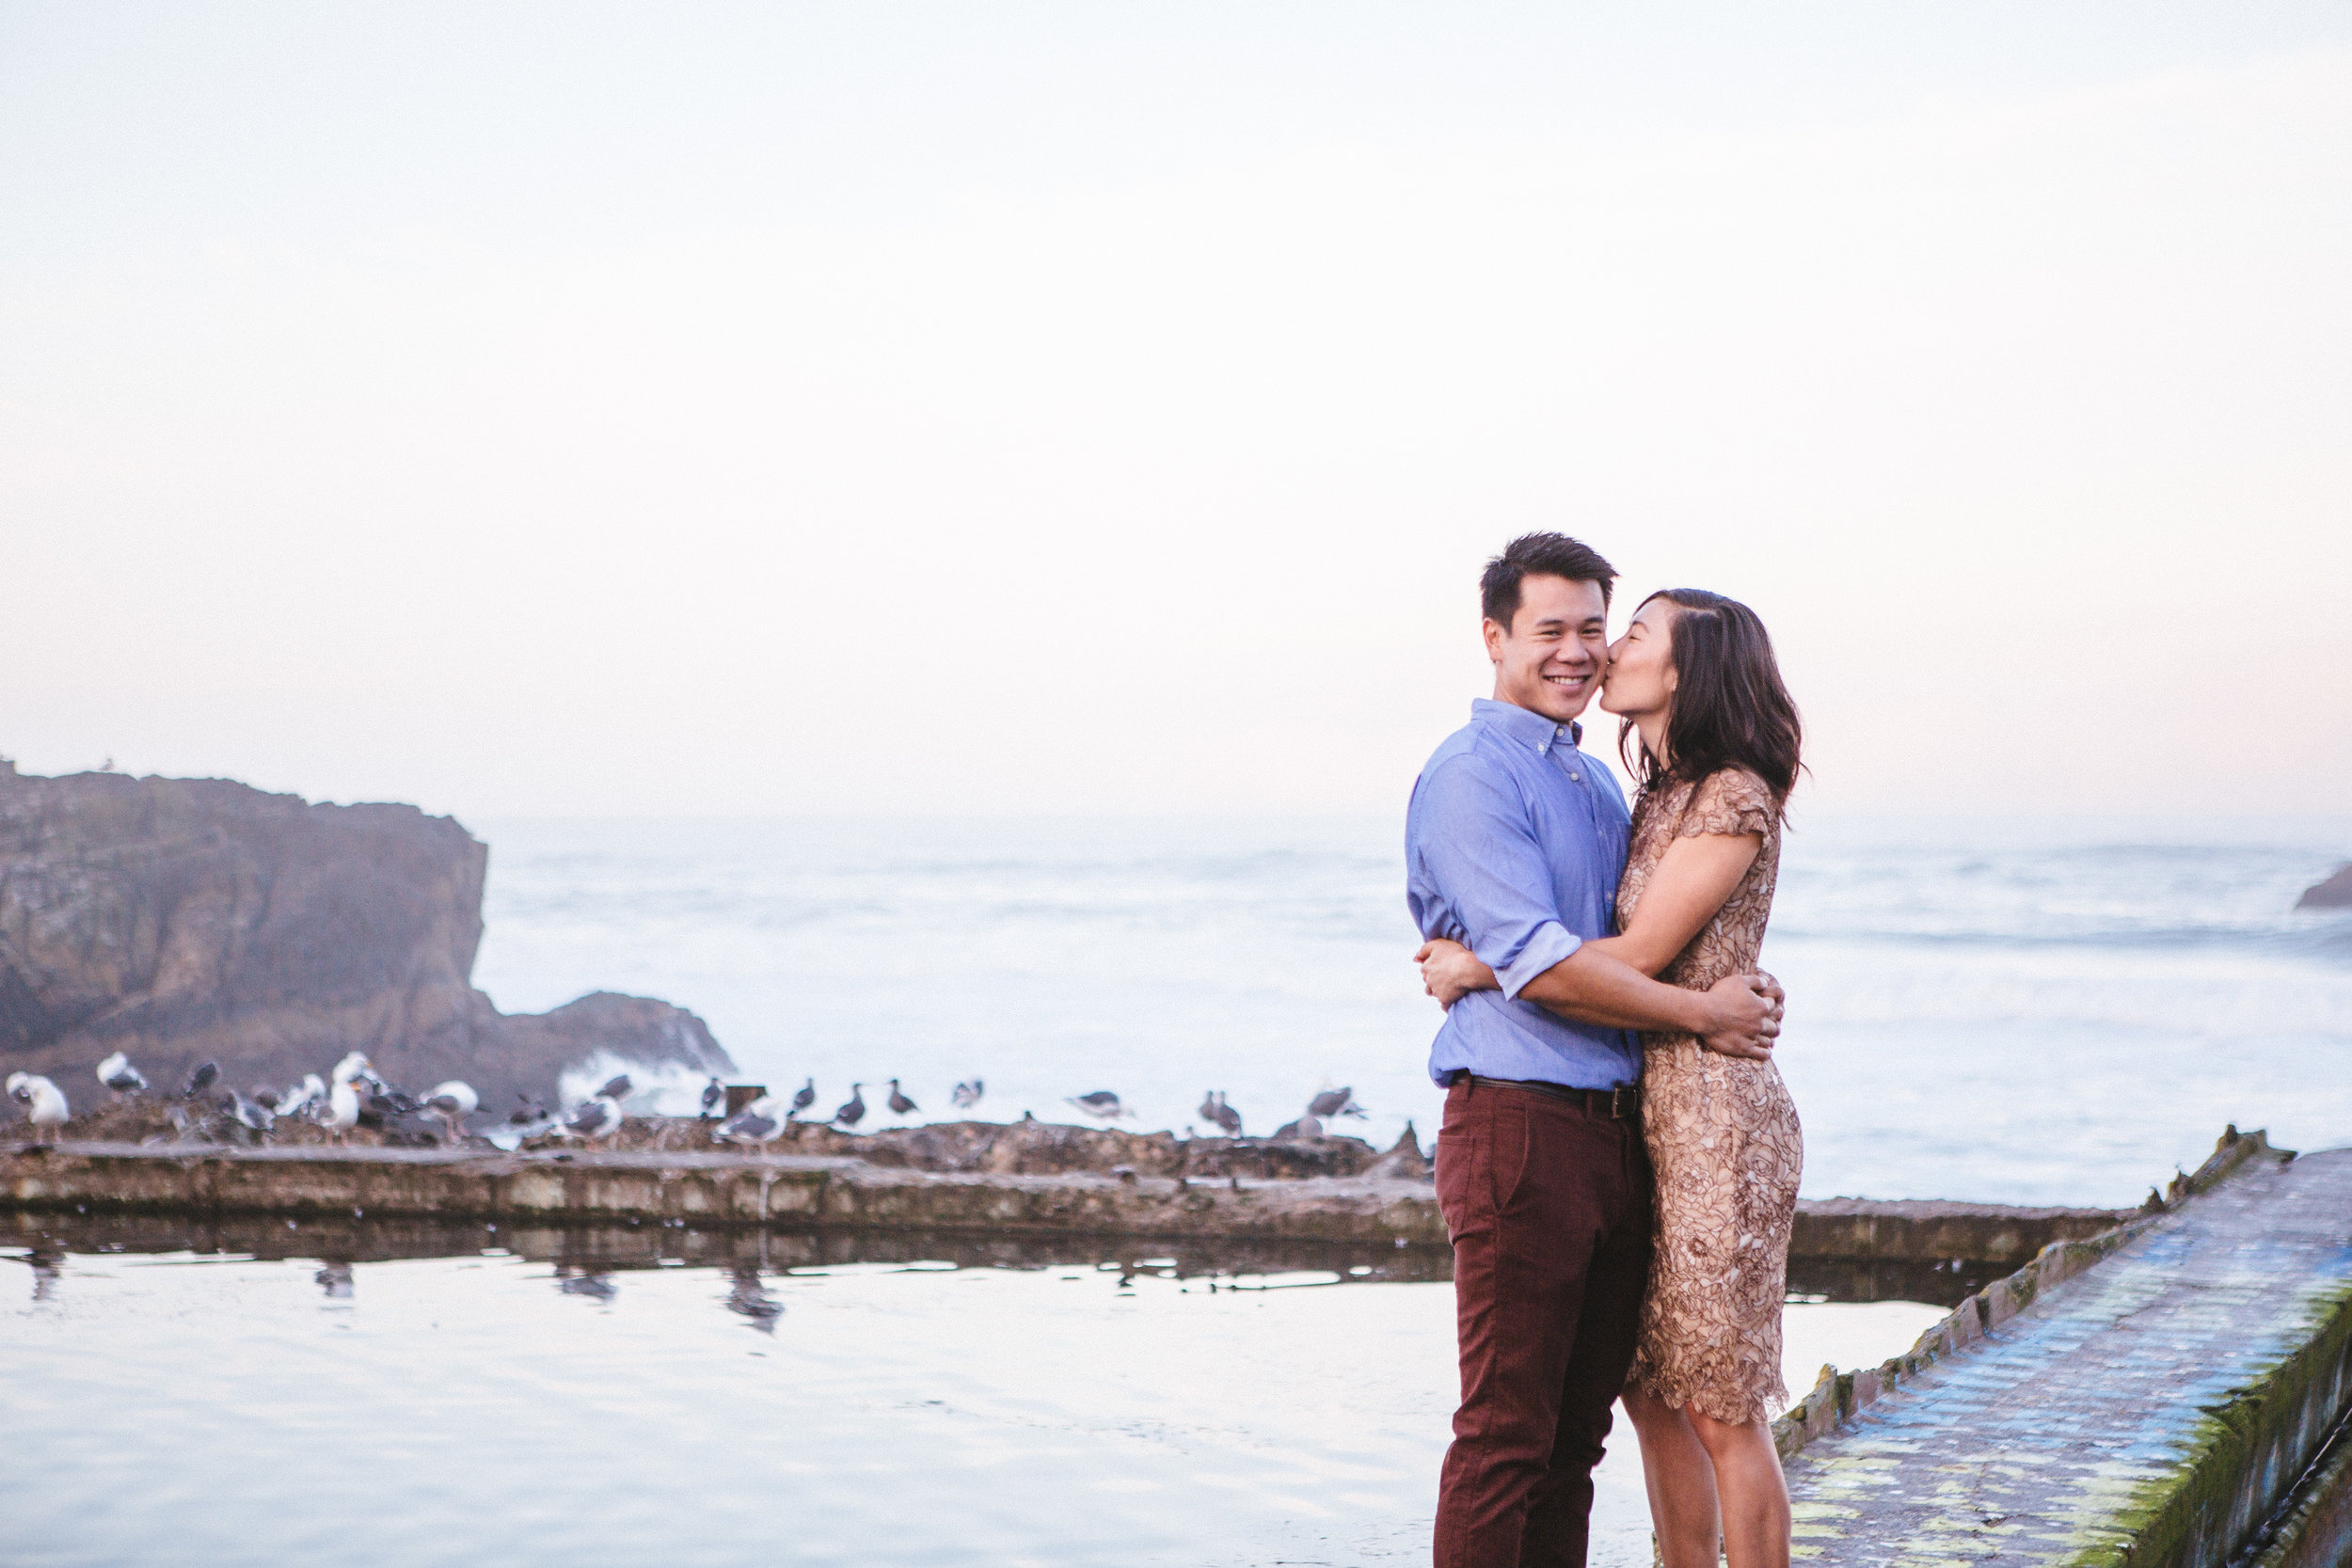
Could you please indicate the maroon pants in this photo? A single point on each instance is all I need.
(1549, 1207)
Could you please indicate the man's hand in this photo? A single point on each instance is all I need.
(1450, 972)
(1743, 1016)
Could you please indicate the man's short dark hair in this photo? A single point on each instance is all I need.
(1551, 554)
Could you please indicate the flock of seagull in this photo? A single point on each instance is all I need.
(353, 1092)
(337, 1102)
(761, 1121)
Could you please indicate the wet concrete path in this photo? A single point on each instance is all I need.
(2150, 1409)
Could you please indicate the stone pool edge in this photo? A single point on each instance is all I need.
(820, 1192)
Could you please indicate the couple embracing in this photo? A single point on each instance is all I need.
(1618, 1161)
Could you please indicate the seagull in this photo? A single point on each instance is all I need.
(303, 1099)
(854, 1112)
(1335, 1102)
(968, 1095)
(616, 1088)
(1305, 1127)
(1215, 1110)
(118, 1074)
(802, 1100)
(756, 1123)
(43, 1101)
(1101, 1103)
(454, 1102)
(342, 1101)
(255, 1117)
(200, 1080)
(600, 1117)
(714, 1095)
(899, 1104)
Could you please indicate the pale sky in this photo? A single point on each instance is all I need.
(562, 409)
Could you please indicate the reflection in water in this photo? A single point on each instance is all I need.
(750, 1298)
(947, 1413)
(45, 1262)
(573, 1280)
(582, 1253)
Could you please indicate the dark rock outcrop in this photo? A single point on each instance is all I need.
(181, 919)
(2333, 894)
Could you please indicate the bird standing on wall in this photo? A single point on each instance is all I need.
(1305, 1127)
(802, 1100)
(853, 1111)
(899, 1104)
(967, 1095)
(305, 1098)
(1101, 1103)
(600, 1117)
(118, 1074)
(1335, 1102)
(757, 1124)
(44, 1102)
(200, 1080)
(1224, 1116)
(454, 1102)
(714, 1095)
(343, 1100)
(252, 1115)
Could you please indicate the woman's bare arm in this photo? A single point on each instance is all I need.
(1693, 878)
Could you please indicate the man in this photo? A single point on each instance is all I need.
(1513, 844)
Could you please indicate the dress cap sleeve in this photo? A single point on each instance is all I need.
(1730, 801)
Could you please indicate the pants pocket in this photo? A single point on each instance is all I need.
(1462, 1179)
(1506, 1157)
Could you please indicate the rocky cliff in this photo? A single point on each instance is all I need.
(180, 919)
(2333, 894)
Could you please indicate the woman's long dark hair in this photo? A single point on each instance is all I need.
(1730, 708)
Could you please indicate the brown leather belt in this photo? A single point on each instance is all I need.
(1623, 1103)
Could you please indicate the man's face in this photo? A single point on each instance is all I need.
(1550, 659)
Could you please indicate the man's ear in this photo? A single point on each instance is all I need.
(1494, 634)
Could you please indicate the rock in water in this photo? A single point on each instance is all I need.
(2333, 894)
(182, 920)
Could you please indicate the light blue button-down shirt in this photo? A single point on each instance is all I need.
(1513, 846)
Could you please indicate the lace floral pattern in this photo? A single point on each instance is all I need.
(1723, 1139)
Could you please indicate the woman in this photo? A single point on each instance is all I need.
(1694, 679)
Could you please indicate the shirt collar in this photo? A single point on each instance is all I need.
(1524, 724)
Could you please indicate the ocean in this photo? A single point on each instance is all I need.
(2059, 1011)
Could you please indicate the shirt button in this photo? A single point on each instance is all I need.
(1576, 778)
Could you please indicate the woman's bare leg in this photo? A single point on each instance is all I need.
(1681, 1482)
(1752, 1493)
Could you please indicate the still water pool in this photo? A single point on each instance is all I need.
(231, 1400)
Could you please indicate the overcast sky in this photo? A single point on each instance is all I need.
(564, 409)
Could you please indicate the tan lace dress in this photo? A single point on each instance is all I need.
(1723, 1139)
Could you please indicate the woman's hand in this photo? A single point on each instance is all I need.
(1450, 972)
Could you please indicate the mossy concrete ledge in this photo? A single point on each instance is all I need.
(808, 1191)
(2174, 1392)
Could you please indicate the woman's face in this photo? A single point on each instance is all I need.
(1640, 678)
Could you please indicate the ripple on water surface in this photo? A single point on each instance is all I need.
(215, 1409)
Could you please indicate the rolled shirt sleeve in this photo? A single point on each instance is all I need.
(1481, 851)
